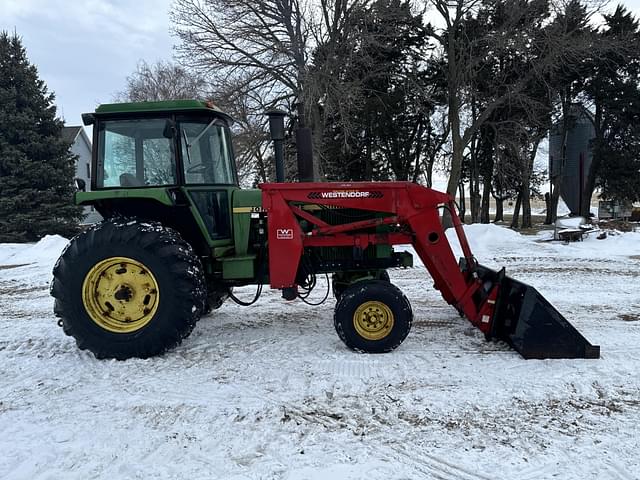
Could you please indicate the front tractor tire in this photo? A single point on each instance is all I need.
(126, 288)
(341, 281)
(373, 316)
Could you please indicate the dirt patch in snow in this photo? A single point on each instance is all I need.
(21, 290)
(8, 267)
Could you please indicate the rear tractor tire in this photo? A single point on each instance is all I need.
(216, 296)
(373, 316)
(126, 288)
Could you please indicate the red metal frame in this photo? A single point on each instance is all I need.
(413, 207)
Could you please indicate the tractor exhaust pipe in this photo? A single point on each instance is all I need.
(304, 146)
(276, 127)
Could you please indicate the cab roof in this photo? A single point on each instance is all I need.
(162, 106)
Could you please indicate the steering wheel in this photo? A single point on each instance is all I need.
(197, 168)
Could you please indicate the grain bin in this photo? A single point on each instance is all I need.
(575, 164)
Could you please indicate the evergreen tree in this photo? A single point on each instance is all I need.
(614, 89)
(378, 111)
(36, 165)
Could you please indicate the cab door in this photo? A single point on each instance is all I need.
(208, 171)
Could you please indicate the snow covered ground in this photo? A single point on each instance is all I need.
(269, 391)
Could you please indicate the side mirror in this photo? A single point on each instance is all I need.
(81, 185)
(88, 119)
(169, 129)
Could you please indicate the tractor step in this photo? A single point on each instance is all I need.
(530, 324)
(238, 267)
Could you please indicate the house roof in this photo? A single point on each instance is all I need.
(69, 134)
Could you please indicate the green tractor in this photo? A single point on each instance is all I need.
(178, 232)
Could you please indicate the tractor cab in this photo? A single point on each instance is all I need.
(185, 143)
(151, 155)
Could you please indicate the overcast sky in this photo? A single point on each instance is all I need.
(84, 50)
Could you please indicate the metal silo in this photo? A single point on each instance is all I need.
(578, 156)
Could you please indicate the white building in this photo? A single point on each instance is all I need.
(81, 147)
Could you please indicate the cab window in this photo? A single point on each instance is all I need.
(206, 152)
(135, 153)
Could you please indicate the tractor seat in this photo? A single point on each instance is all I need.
(129, 180)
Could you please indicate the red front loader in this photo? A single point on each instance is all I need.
(309, 222)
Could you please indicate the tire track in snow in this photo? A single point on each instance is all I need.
(438, 467)
(619, 471)
(541, 471)
(611, 471)
(353, 369)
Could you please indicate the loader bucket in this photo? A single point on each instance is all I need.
(530, 324)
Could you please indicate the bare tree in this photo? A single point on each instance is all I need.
(262, 50)
(522, 28)
(251, 142)
(257, 46)
(450, 39)
(332, 91)
(161, 81)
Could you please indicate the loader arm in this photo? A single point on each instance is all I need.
(410, 214)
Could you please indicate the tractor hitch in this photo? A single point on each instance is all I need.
(530, 324)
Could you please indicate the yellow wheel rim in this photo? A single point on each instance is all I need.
(120, 294)
(373, 320)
